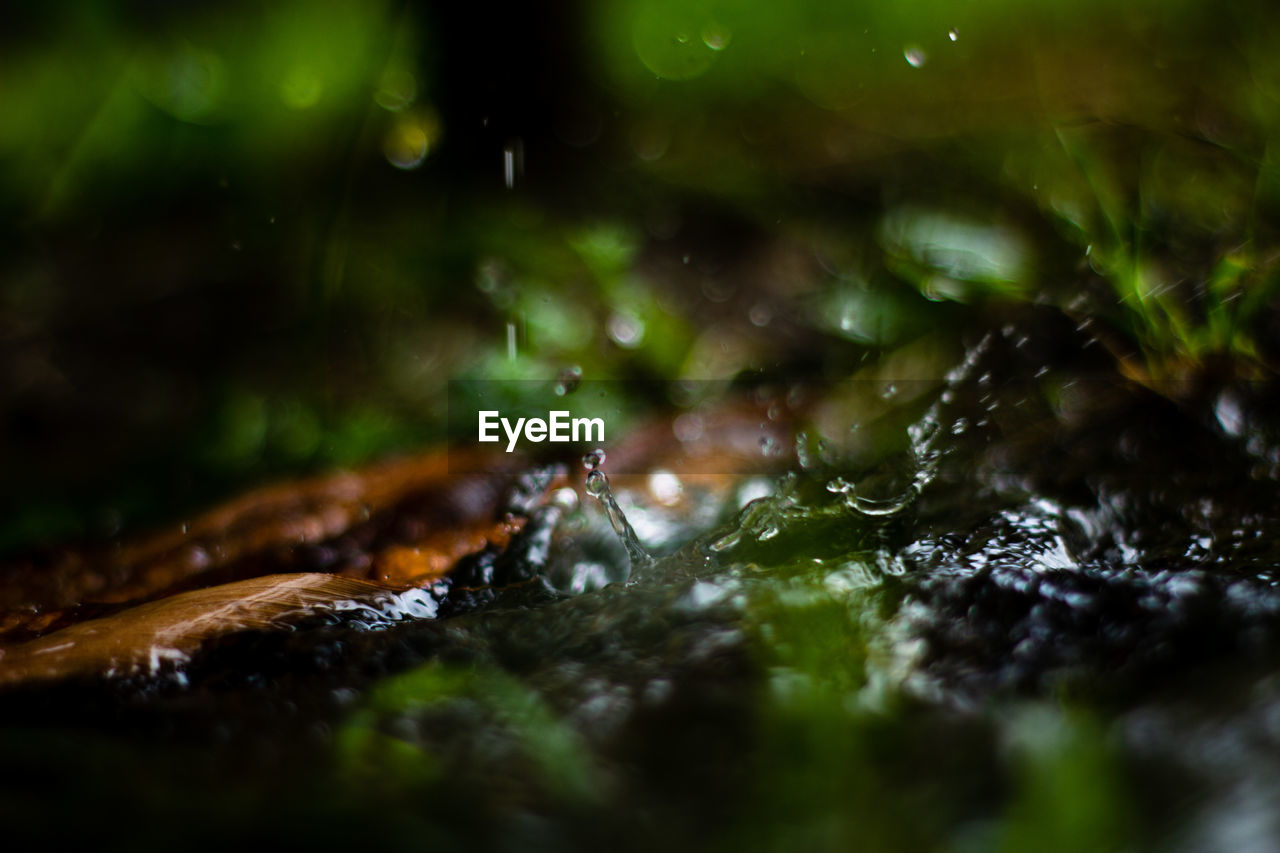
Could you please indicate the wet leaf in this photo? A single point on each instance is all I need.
(165, 633)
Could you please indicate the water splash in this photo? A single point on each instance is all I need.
(925, 450)
(766, 517)
(598, 488)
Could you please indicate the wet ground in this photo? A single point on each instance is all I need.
(1036, 610)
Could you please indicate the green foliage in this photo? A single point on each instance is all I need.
(1144, 136)
(95, 113)
(1070, 792)
(389, 744)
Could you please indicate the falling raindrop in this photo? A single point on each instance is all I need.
(953, 34)
(592, 460)
(512, 162)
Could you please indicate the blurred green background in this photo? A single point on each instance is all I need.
(242, 240)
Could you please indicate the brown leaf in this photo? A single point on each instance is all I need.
(169, 631)
(258, 533)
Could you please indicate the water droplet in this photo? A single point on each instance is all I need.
(768, 446)
(716, 36)
(568, 380)
(960, 426)
(682, 38)
(626, 329)
(760, 315)
(953, 34)
(889, 391)
(592, 460)
(915, 55)
(597, 483)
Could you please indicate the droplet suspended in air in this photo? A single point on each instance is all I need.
(568, 380)
(591, 460)
(953, 34)
(915, 55)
